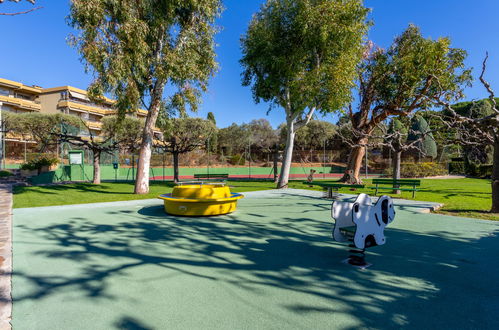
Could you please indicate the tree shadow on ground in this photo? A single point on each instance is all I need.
(420, 280)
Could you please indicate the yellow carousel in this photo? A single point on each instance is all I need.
(200, 199)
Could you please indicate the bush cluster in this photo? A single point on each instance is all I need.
(457, 167)
(237, 160)
(4, 174)
(419, 170)
(38, 163)
(479, 170)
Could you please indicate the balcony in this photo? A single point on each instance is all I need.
(79, 106)
(21, 103)
(95, 125)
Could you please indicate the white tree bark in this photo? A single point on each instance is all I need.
(292, 126)
(287, 157)
(144, 164)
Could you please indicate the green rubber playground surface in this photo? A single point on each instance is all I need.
(270, 265)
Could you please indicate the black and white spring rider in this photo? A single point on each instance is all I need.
(362, 224)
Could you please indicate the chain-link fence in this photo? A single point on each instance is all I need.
(253, 164)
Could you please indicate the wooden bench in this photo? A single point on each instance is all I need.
(396, 184)
(211, 176)
(334, 187)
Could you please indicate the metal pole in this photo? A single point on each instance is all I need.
(249, 157)
(164, 178)
(25, 143)
(133, 167)
(324, 161)
(208, 147)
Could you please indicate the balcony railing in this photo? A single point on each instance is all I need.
(21, 103)
(85, 107)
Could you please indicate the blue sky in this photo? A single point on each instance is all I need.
(34, 49)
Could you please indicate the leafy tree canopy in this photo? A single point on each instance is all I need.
(186, 134)
(420, 130)
(304, 52)
(211, 117)
(136, 47)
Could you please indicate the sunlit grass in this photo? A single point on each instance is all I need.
(461, 197)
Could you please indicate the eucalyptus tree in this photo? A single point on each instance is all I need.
(181, 135)
(414, 73)
(153, 54)
(301, 55)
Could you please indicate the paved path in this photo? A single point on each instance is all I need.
(5, 255)
(272, 264)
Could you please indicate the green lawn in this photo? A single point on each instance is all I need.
(462, 197)
(82, 193)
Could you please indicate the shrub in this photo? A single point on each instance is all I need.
(457, 167)
(38, 163)
(237, 160)
(478, 170)
(419, 170)
(4, 174)
(29, 166)
(34, 156)
(46, 161)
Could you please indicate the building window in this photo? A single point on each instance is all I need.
(4, 92)
(23, 96)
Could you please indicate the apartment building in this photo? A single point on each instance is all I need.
(16, 97)
(19, 98)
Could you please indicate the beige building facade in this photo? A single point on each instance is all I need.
(19, 98)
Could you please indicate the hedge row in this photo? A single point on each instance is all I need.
(419, 170)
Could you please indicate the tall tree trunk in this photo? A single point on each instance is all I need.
(396, 170)
(145, 151)
(175, 167)
(96, 163)
(354, 165)
(288, 154)
(495, 177)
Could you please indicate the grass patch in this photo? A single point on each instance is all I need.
(83, 193)
(461, 197)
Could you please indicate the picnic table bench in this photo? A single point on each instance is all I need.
(396, 184)
(211, 176)
(334, 187)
